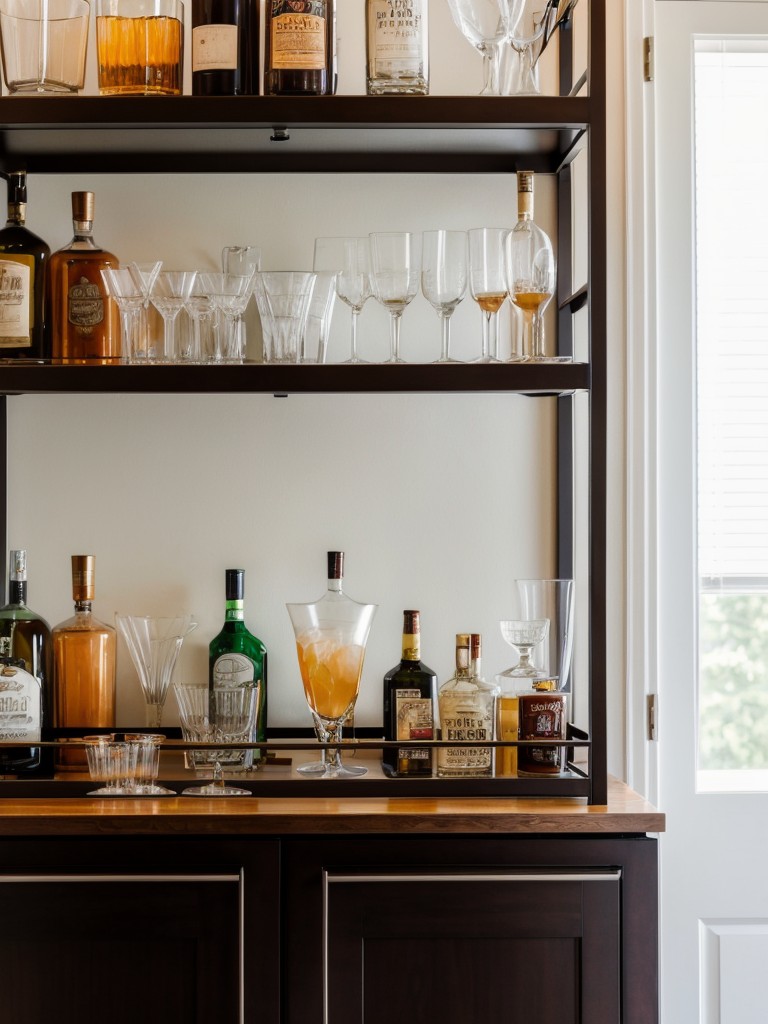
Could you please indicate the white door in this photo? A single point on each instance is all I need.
(714, 869)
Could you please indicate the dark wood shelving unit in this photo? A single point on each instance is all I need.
(473, 135)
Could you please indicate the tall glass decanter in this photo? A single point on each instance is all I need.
(331, 635)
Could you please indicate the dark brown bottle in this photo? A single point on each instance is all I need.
(299, 48)
(410, 694)
(23, 259)
(225, 47)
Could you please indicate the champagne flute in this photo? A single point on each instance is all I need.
(487, 284)
(349, 259)
(482, 23)
(395, 277)
(444, 278)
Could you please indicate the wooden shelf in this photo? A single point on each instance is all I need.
(73, 134)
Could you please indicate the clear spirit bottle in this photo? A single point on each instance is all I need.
(397, 38)
(467, 714)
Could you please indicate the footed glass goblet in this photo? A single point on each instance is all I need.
(154, 645)
(524, 634)
(231, 714)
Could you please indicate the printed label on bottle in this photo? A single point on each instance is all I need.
(16, 282)
(413, 720)
(214, 48)
(542, 716)
(20, 716)
(232, 670)
(298, 30)
(465, 720)
(85, 304)
(395, 36)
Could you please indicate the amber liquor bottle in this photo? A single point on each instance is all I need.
(299, 48)
(84, 656)
(23, 258)
(26, 699)
(410, 694)
(83, 322)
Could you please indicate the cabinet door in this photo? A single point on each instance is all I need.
(515, 946)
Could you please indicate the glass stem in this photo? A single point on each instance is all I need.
(169, 320)
(445, 347)
(537, 337)
(394, 325)
(353, 337)
(486, 335)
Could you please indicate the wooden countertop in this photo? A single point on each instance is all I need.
(625, 812)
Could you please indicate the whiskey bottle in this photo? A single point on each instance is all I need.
(23, 258)
(84, 654)
(300, 48)
(410, 695)
(467, 711)
(26, 705)
(83, 321)
(225, 47)
(397, 47)
(236, 657)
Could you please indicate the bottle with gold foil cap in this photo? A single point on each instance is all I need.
(410, 697)
(82, 320)
(84, 659)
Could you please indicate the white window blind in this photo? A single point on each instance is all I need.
(731, 188)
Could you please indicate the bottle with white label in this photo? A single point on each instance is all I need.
(23, 258)
(467, 714)
(397, 44)
(410, 692)
(225, 47)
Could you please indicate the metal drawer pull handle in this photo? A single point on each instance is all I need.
(119, 878)
(591, 876)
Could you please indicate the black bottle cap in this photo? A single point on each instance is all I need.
(17, 187)
(335, 565)
(235, 584)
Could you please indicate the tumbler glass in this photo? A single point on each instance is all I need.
(140, 47)
(283, 298)
(43, 44)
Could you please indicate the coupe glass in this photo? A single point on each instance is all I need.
(524, 634)
(530, 278)
(170, 291)
(444, 271)
(395, 277)
(487, 284)
(331, 635)
(349, 259)
(122, 287)
(243, 260)
(231, 714)
(525, 21)
(154, 645)
(482, 23)
(230, 294)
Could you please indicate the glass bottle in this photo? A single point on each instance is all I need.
(530, 266)
(25, 640)
(225, 47)
(23, 259)
(397, 47)
(410, 697)
(467, 713)
(84, 323)
(300, 48)
(237, 657)
(84, 656)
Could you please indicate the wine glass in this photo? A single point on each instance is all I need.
(487, 284)
(219, 716)
(444, 271)
(122, 287)
(170, 291)
(524, 634)
(482, 23)
(154, 644)
(395, 277)
(331, 635)
(525, 21)
(349, 258)
(243, 260)
(530, 277)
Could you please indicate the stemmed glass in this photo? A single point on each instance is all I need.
(122, 287)
(487, 284)
(395, 277)
(444, 278)
(525, 24)
(230, 294)
(350, 259)
(154, 644)
(243, 261)
(221, 716)
(331, 635)
(482, 23)
(144, 274)
(201, 311)
(170, 291)
(524, 634)
(530, 276)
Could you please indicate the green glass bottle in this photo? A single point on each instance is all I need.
(236, 656)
